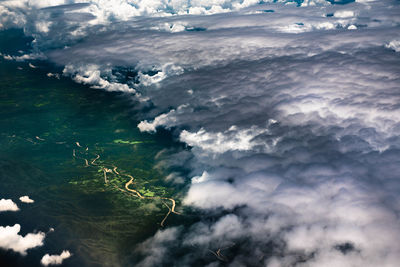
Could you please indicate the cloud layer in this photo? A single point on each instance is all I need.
(291, 114)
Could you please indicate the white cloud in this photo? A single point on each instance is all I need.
(202, 178)
(33, 56)
(231, 139)
(91, 75)
(167, 69)
(344, 14)
(8, 205)
(43, 26)
(166, 120)
(317, 185)
(395, 45)
(10, 239)
(307, 3)
(55, 259)
(26, 199)
(365, 1)
(171, 27)
(163, 119)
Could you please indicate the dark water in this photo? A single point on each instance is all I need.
(41, 120)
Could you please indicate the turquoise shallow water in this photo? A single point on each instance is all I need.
(41, 120)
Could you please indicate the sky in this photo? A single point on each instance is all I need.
(290, 111)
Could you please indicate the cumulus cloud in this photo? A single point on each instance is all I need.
(92, 75)
(231, 139)
(395, 45)
(26, 199)
(291, 121)
(8, 205)
(55, 259)
(167, 69)
(26, 57)
(167, 120)
(10, 239)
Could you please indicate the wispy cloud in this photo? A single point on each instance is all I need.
(26, 199)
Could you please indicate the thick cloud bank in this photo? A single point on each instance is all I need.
(55, 259)
(291, 113)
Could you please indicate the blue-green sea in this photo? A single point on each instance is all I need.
(50, 127)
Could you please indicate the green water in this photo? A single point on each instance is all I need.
(41, 120)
